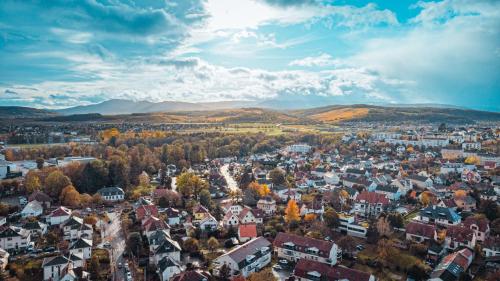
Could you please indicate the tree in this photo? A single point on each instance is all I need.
(425, 198)
(224, 272)
(144, 179)
(118, 172)
(495, 227)
(70, 197)
(490, 209)
(331, 218)
(347, 244)
(277, 176)
(32, 182)
(265, 274)
(383, 226)
(39, 163)
(94, 177)
(384, 249)
(292, 212)
(396, 220)
(192, 245)
(90, 219)
(460, 193)
(205, 198)
(189, 184)
(134, 243)
(55, 182)
(472, 160)
(97, 199)
(212, 244)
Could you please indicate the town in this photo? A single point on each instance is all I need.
(362, 202)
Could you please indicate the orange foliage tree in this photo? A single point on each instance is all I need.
(292, 211)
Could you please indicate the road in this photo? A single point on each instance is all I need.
(231, 183)
(113, 234)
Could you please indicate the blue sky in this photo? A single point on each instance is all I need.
(57, 53)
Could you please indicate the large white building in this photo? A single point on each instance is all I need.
(245, 259)
(298, 148)
(294, 248)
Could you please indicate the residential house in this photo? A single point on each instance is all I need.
(230, 219)
(200, 212)
(112, 194)
(466, 203)
(35, 228)
(167, 268)
(370, 204)
(14, 239)
(157, 238)
(191, 275)
(491, 246)
(60, 268)
(173, 216)
(247, 232)
(452, 266)
(390, 191)
(439, 215)
(145, 211)
(293, 248)
(310, 270)
(74, 228)
(459, 236)
(152, 224)
(420, 232)
(59, 216)
(208, 223)
(41, 197)
(82, 248)
(245, 259)
(267, 205)
(32, 209)
(168, 248)
(247, 216)
(288, 194)
(480, 226)
(421, 181)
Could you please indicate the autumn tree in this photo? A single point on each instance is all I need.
(192, 245)
(472, 160)
(32, 182)
(347, 244)
(460, 193)
(97, 199)
(189, 184)
(292, 212)
(118, 171)
(384, 228)
(70, 196)
(265, 274)
(331, 218)
(309, 217)
(205, 198)
(426, 198)
(212, 244)
(134, 243)
(94, 176)
(55, 182)
(277, 176)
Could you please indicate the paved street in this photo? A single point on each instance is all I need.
(231, 183)
(114, 235)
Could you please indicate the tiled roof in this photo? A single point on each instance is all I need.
(302, 243)
(481, 222)
(191, 275)
(247, 230)
(437, 212)
(372, 198)
(308, 268)
(421, 229)
(460, 234)
(60, 212)
(251, 247)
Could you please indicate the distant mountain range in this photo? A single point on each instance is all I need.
(245, 111)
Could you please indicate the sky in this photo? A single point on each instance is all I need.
(63, 53)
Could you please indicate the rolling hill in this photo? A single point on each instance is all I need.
(15, 112)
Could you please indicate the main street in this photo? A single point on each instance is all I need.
(231, 183)
(113, 234)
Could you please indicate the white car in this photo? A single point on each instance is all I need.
(129, 276)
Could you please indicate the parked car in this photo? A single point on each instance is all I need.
(129, 276)
(277, 267)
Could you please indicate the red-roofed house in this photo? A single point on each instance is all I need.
(457, 236)
(59, 216)
(293, 248)
(247, 232)
(480, 226)
(370, 204)
(308, 270)
(420, 232)
(145, 211)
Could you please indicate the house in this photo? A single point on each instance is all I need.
(32, 209)
(152, 224)
(420, 232)
(230, 219)
(480, 226)
(145, 211)
(208, 223)
(111, 194)
(331, 178)
(192, 275)
(14, 239)
(247, 232)
(293, 248)
(421, 181)
(267, 205)
(74, 228)
(168, 248)
(59, 216)
(310, 270)
(466, 203)
(245, 259)
(200, 212)
(370, 204)
(459, 236)
(41, 197)
(439, 215)
(173, 216)
(246, 216)
(167, 268)
(390, 191)
(58, 267)
(82, 248)
(452, 266)
(157, 238)
(287, 194)
(491, 246)
(35, 228)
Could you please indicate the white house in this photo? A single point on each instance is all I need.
(59, 216)
(32, 209)
(167, 268)
(294, 248)
(82, 248)
(245, 259)
(14, 238)
(74, 228)
(111, 194)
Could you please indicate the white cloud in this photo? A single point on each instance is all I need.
(318, 61)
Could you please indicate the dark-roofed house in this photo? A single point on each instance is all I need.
(168, 267)
(14, 238)
(75, 228)
(480, 226)
(439, 215)
(61, 267)
(168, 248)
(41, 197)
(370, 204)
(309, 270)
(420, 232)
(82, 248)
(293, 248)
(247, 258)
(111, 194)
(191, 275)
(452, 266)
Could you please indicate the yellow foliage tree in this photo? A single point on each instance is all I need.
(425, 198)
(70, 196)
(472, 160)
(292, 211)
(32, 182)
(310, 217)
(410, 149)
(109, 133)
(460, 193)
